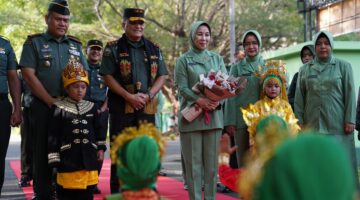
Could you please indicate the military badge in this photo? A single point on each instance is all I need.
(47, 63)
(74, 52)
(125, 69)
(2, 51)
(154, 70)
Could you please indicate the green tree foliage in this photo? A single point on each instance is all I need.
(168, 22)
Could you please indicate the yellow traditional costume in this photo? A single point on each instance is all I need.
(274, 71)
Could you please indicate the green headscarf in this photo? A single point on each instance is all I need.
(257, 60)
(256, 34)
(141, 163)
(311, 49)
(198, 55)
(194, 28)
(329, 36)
(309, 167)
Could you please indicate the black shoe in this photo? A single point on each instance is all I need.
(24, 181)
(97, 190)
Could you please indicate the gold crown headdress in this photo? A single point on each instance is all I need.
(74, 72)
(275, 70)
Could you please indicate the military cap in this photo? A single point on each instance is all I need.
(134, 14)
(59, 6)
(94, 43)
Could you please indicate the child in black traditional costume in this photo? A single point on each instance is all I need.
(74, 143)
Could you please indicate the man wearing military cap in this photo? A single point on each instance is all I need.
(10, 115)
(134, 71)
(42, 61)
(97, 90)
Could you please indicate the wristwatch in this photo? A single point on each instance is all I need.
(151, 95)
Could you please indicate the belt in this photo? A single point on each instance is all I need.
(4, 96)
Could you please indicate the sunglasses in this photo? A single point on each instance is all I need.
(136, 22)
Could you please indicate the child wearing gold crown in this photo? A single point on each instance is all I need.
(273, 100)
(74, 144)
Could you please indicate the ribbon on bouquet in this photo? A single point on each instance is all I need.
(207, 117)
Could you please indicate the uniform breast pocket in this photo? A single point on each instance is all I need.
(332, 83)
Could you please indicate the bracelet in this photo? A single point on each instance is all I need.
(151, 95)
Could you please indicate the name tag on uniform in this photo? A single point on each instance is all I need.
(74, 52)
(89, 115)
(190, 64)
(46, 50)
(312, 76)
(2, 50)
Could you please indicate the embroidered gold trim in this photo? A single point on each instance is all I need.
(70, 106)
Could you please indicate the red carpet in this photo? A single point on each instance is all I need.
(168, 188)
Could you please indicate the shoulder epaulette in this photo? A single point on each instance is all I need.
(30, 37)
(34, 35)
(112, 43)
(75, 39)
(4, 38)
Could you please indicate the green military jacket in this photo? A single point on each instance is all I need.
(247, 68)
(325, 95)
(48, 57)
(187, 70)
(97, 90)
(7, 62)
(233, 115)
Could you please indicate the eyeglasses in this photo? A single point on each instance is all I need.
(136, 22)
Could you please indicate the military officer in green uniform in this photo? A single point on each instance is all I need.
(10, 115)
(97, 90)
(247, 67)
(325, 96)
(134, 71)
(42, 61)
(200, 137)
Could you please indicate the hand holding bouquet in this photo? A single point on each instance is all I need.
(216, 86)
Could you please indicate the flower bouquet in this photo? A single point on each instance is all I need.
(216, 86)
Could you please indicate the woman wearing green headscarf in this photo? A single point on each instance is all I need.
(306, 54)
(325, 96)
(199, 140)
(233, 119)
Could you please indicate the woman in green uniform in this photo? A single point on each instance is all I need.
(199, 140)
(325, 95)
(233, 119)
